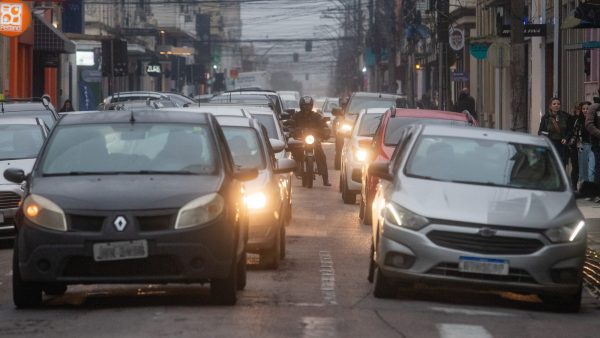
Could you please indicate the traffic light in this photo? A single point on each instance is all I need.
(296, 57)
(308, 46)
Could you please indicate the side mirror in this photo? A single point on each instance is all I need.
(277, 145)
(381, 170)
(14, 175)
(284, 166)
(245, 174)
(337, 111)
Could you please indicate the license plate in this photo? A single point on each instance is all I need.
(488, 266)
(115, 251)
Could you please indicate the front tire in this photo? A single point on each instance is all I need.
(242, 274)
(310, 173)
(25, 294)
(384, 287)
(273, 255)
(564, 303)
(224, 291)
(347, 196)
(367, 213)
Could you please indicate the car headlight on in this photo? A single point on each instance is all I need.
(401, 217)
(567, 233)
(45, 213)
(360, 155)
(256, 201)
(309, 139)
(200, 211)
(345, 128)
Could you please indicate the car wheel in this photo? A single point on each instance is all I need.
(54, 289)
(384, 287)
(283, 244)
(347, 196)
(224, 290)
(564, 303)
(25, 294)
(371, 264)
(310, 173)
(242, 272)
(272, 256)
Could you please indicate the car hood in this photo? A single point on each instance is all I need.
(26, 164)
(124, 192)
(487, 205)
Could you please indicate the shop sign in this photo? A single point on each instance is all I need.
(479, 50)
(15, 17)
(457, 39)
(154, 69)
(530, 30)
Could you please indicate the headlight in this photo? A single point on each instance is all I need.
(564, 234)
(309, 139)
(200, 211)
(360, 155)
(401, 217)
(345, 128)
(256, 201)
(44, 213)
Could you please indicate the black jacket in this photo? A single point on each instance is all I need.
(310, 120)
(562, 120)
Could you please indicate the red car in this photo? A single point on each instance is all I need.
(386, 138)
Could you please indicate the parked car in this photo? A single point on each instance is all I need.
(478, 208)
(386, 139)
(266, 196)
(20, 141)
(29, 107)
(148, 197)
(356, 152)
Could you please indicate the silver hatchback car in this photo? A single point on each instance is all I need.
(479, 208)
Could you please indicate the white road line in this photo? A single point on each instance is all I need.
(451, 310)
(462, 331)
(327, 278)
(317, 327)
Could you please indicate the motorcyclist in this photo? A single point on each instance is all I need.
(306, 118)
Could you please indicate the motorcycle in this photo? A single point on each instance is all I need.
(305, 156)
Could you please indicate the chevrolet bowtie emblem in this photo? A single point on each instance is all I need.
(120, 223)
(487, 232)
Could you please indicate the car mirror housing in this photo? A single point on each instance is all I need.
(14, 175)
(245, 174)
(381, 170)
(284, 166)
(277, 145)
(294, 144)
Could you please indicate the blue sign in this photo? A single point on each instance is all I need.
(479, 50)
(460, 76)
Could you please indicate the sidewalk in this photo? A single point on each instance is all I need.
(591, 212)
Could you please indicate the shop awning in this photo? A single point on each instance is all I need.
(50, 39)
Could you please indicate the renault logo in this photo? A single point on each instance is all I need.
(120, 223)
(487, 232)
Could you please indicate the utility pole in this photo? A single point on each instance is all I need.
(517, 67)
(392, 88)
(443, 22)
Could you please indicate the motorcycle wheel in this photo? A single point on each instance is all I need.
(310, 173)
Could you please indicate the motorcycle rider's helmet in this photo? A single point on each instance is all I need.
(306, 103)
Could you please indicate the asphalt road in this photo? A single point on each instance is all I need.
(320, 290)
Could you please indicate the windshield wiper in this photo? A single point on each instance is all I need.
(140, 172)
(489, 184)
(83, 173)
(163, 172)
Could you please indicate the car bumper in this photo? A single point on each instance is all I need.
(7, 225)
(263, 230)
(426, 262)
(178, 256)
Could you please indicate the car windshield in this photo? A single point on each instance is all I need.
(359, 103)
(19, 141)
(485, 162)
(393, 130)
(369, 124)
(269, 122)
(130, 148)
(245, 147)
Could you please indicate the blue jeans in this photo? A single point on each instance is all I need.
(587, 163)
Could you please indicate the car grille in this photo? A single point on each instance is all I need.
(9, 199)
(155, 266)
(155, 223)
(495, 245)
(451, 270)
(86, 223)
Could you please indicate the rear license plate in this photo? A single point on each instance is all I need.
(488, 266)
(115, 251)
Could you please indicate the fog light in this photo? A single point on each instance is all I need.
(399, 260)
(43, 265)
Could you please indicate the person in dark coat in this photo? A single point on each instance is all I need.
(466, 102)
(67, 106)
(554, 126)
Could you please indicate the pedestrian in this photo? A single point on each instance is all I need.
(554, 126)
(67, 106)
(466, 102)
(425, 102)
(586, 155)
(575, 128)
(592, 125)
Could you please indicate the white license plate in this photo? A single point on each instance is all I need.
(115, 251)
(488, 266)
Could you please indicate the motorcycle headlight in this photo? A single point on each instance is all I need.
(200, 211)
(309, 139)
(45, 213)
(567, 233)
(401, 217)
(256, 201)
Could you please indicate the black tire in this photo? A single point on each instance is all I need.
(25, 294)
(224, 291)
(347, 196)
(54, 289)
(283, 243)
(383, 288)
(367, 214)
(272, 256)
(242, 275)
(371, 275)
(310, 172)
(564, 303)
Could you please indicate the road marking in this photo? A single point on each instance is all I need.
(318, 327)
(327, 278)
(450, 310)
(462, 331)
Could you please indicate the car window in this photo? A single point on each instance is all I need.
(400, 151)
(394, 127)
(485, 162)
(19, 141)
(359, 103)
(245, 147)
(130, 148)
(369, 124)
(269, 122)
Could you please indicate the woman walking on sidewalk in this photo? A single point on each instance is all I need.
(554, 126)
(587, 162)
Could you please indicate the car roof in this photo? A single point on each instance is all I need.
(19, 120)
(483, 134)
(13, 106)
(379, 95)
(259, 110)
(427, 114)
(122, 116)
(217, 110)
(236, 121)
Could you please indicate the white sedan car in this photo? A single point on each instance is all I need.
(356, 152)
